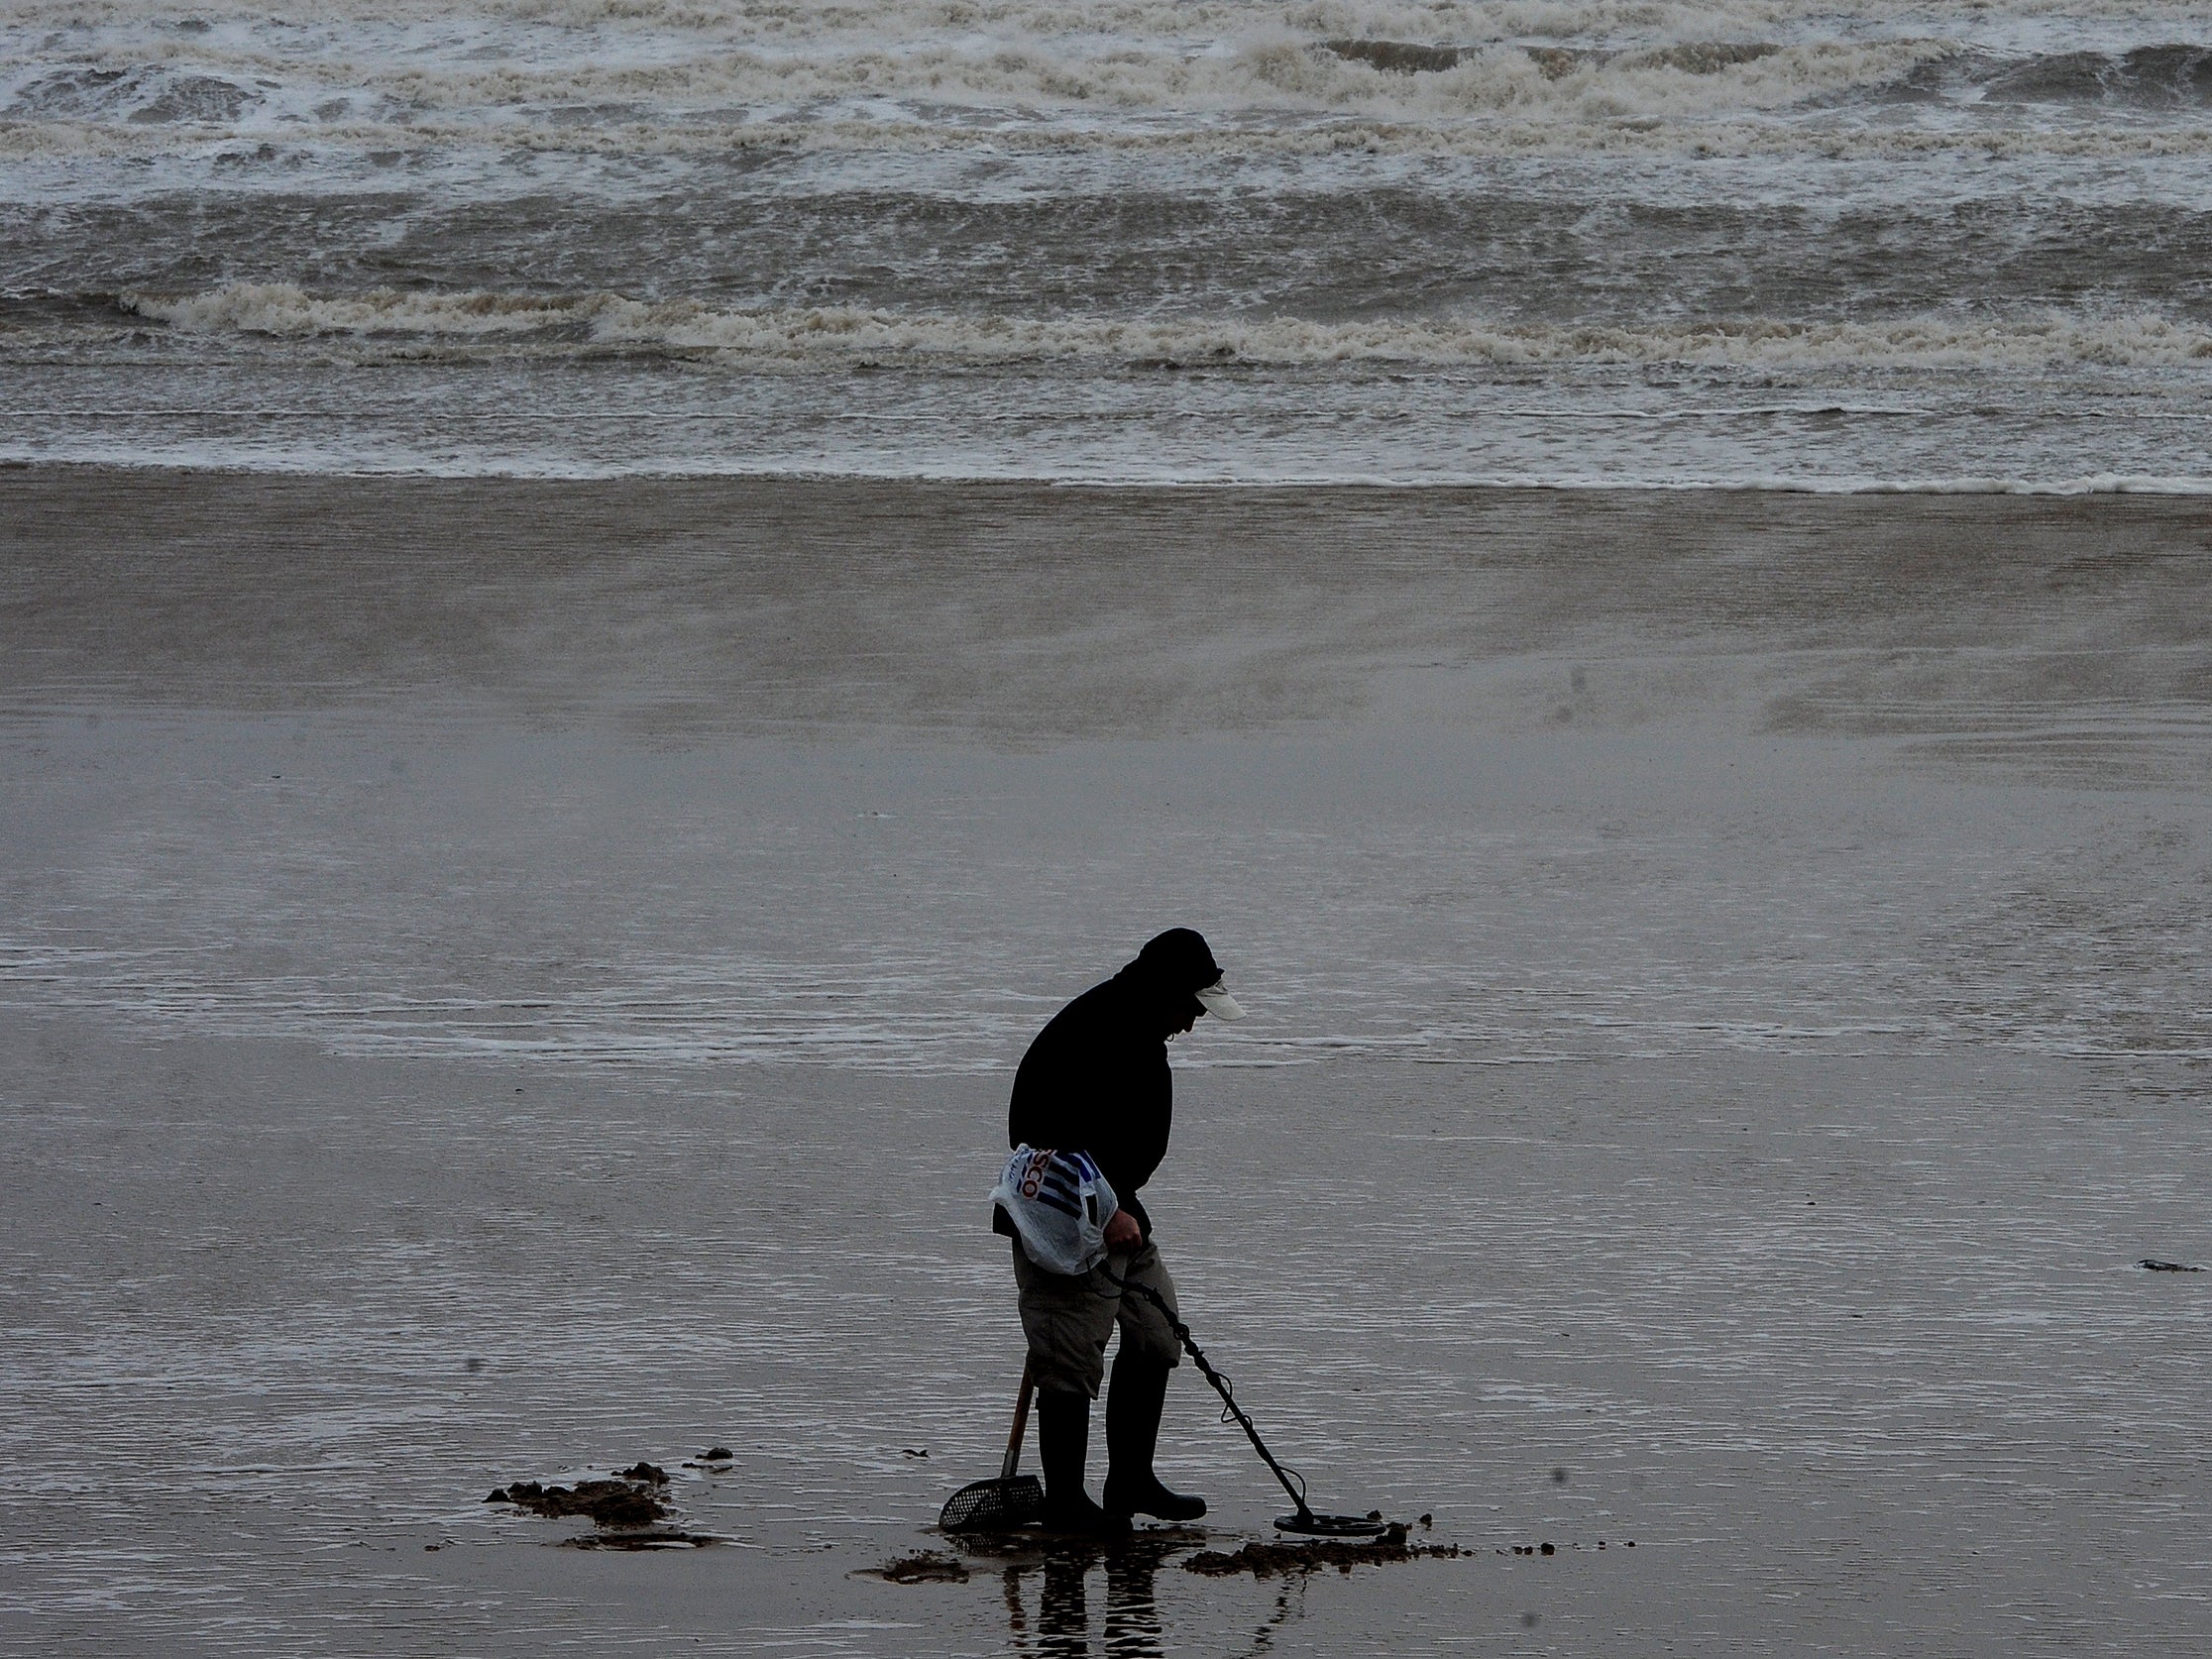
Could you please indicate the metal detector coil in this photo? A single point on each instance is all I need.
(1332, 1526)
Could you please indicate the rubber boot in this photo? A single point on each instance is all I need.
(1062, 1443)
(1133, 1407)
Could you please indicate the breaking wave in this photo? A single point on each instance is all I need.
(604, 322)
(2154, 77)
(549, 68)
(1997, 211)
(939, 83)
(383, 149)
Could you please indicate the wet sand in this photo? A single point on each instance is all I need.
(501, 981)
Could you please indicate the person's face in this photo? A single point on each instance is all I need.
(1181, 1017)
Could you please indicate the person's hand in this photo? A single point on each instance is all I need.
(1123, 1234)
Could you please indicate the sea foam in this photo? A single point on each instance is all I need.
(586, 322)
(1128, 238)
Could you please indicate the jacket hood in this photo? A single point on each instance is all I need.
(1177, 961)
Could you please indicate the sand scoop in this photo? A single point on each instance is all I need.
(1009, 1501)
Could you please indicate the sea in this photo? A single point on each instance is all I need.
(1933, 245)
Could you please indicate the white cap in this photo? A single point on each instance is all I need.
(1219, 1002)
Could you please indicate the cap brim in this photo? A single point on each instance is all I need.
(1219, 1002)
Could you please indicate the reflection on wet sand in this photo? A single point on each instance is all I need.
(1064, 1618)
(1130, 1620)
(1130, 1617)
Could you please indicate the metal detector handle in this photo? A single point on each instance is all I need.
(1021, 1426)
(1245, 1423)
(1221, 1387)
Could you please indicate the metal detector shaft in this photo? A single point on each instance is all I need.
(1221, 1387)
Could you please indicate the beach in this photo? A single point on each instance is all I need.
(607, 605)
(505, 978)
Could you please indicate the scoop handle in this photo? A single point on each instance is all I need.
(1021, 1426)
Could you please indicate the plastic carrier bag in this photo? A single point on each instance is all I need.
(1059, 1204)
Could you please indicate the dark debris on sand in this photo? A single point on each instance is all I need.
(1268, 1561)
(1153, 1547)
(927, 1567)
(630, 1501)
(2157, 1266)
(1036, 1540)
(1026, 1547)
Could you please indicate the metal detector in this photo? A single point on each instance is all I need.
(1304, 1519)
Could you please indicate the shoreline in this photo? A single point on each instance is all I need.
(2181, 488)
(782, 608)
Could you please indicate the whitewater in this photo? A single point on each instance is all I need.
(1877, 246)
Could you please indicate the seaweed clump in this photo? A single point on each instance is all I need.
(630, 1497)
(1268, 1561)
(927, 1567)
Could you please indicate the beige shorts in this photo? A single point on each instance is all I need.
(1067, 1318)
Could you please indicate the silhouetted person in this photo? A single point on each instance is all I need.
(1096, 1082)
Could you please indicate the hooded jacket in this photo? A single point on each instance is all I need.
(1096, 1079)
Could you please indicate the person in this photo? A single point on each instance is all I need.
(1096, 1082)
